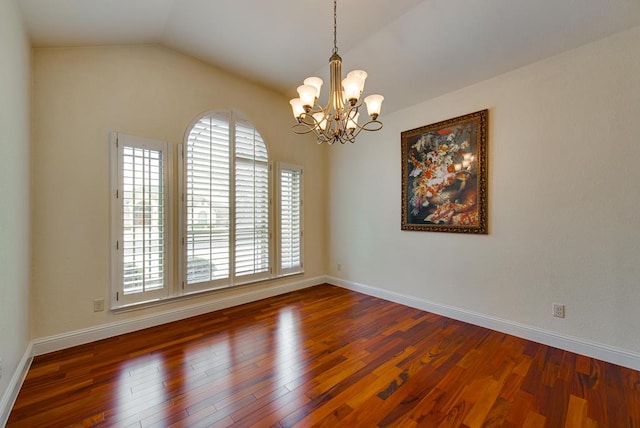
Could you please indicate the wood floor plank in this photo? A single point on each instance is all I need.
(323, 357)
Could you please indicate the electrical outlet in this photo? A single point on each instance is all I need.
(339, 267)
(98, 305)
(558, 310)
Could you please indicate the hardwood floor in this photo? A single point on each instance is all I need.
(327, 357)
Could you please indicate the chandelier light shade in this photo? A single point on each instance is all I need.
(338, 120)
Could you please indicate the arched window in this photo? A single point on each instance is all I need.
(226, 203)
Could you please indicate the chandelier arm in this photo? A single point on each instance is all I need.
(304, 127)
(322, 138)
(354, 134)
(309, 118)
(301, 129)
(371, 125)
(353, 111)
(335, 129)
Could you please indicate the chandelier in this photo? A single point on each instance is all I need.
(338, 120)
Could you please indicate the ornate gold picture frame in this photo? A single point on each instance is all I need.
(444, 176)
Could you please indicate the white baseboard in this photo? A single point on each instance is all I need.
(91, 334)
(10, 395)
(599, 351)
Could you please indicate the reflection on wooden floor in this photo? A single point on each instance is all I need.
(324, 356)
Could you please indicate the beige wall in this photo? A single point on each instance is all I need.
(563, 195)
(14, 191)
(82, 94)
(564, 200)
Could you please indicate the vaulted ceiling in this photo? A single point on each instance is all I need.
(413, 50)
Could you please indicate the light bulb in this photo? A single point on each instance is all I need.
(316, 82)
(351, 86)
(307, 95)
(361, 76)
(374, 105)
(296, 107)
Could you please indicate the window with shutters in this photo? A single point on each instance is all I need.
(224, 206)
(290, 219)
(225, 230)
(140, 216)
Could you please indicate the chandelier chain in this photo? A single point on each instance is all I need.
(335, 26)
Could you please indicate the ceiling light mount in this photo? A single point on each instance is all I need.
(338, 120)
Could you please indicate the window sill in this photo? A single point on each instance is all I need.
(195, 294)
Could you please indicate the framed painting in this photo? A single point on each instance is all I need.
(444, 176)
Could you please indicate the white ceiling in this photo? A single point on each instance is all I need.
(413, 50)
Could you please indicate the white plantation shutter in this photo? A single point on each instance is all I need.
(207, 196)
(290, 215)
(252, 202)
(226, 235)
(140, 219)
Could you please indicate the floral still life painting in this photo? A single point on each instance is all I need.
(444, 176)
